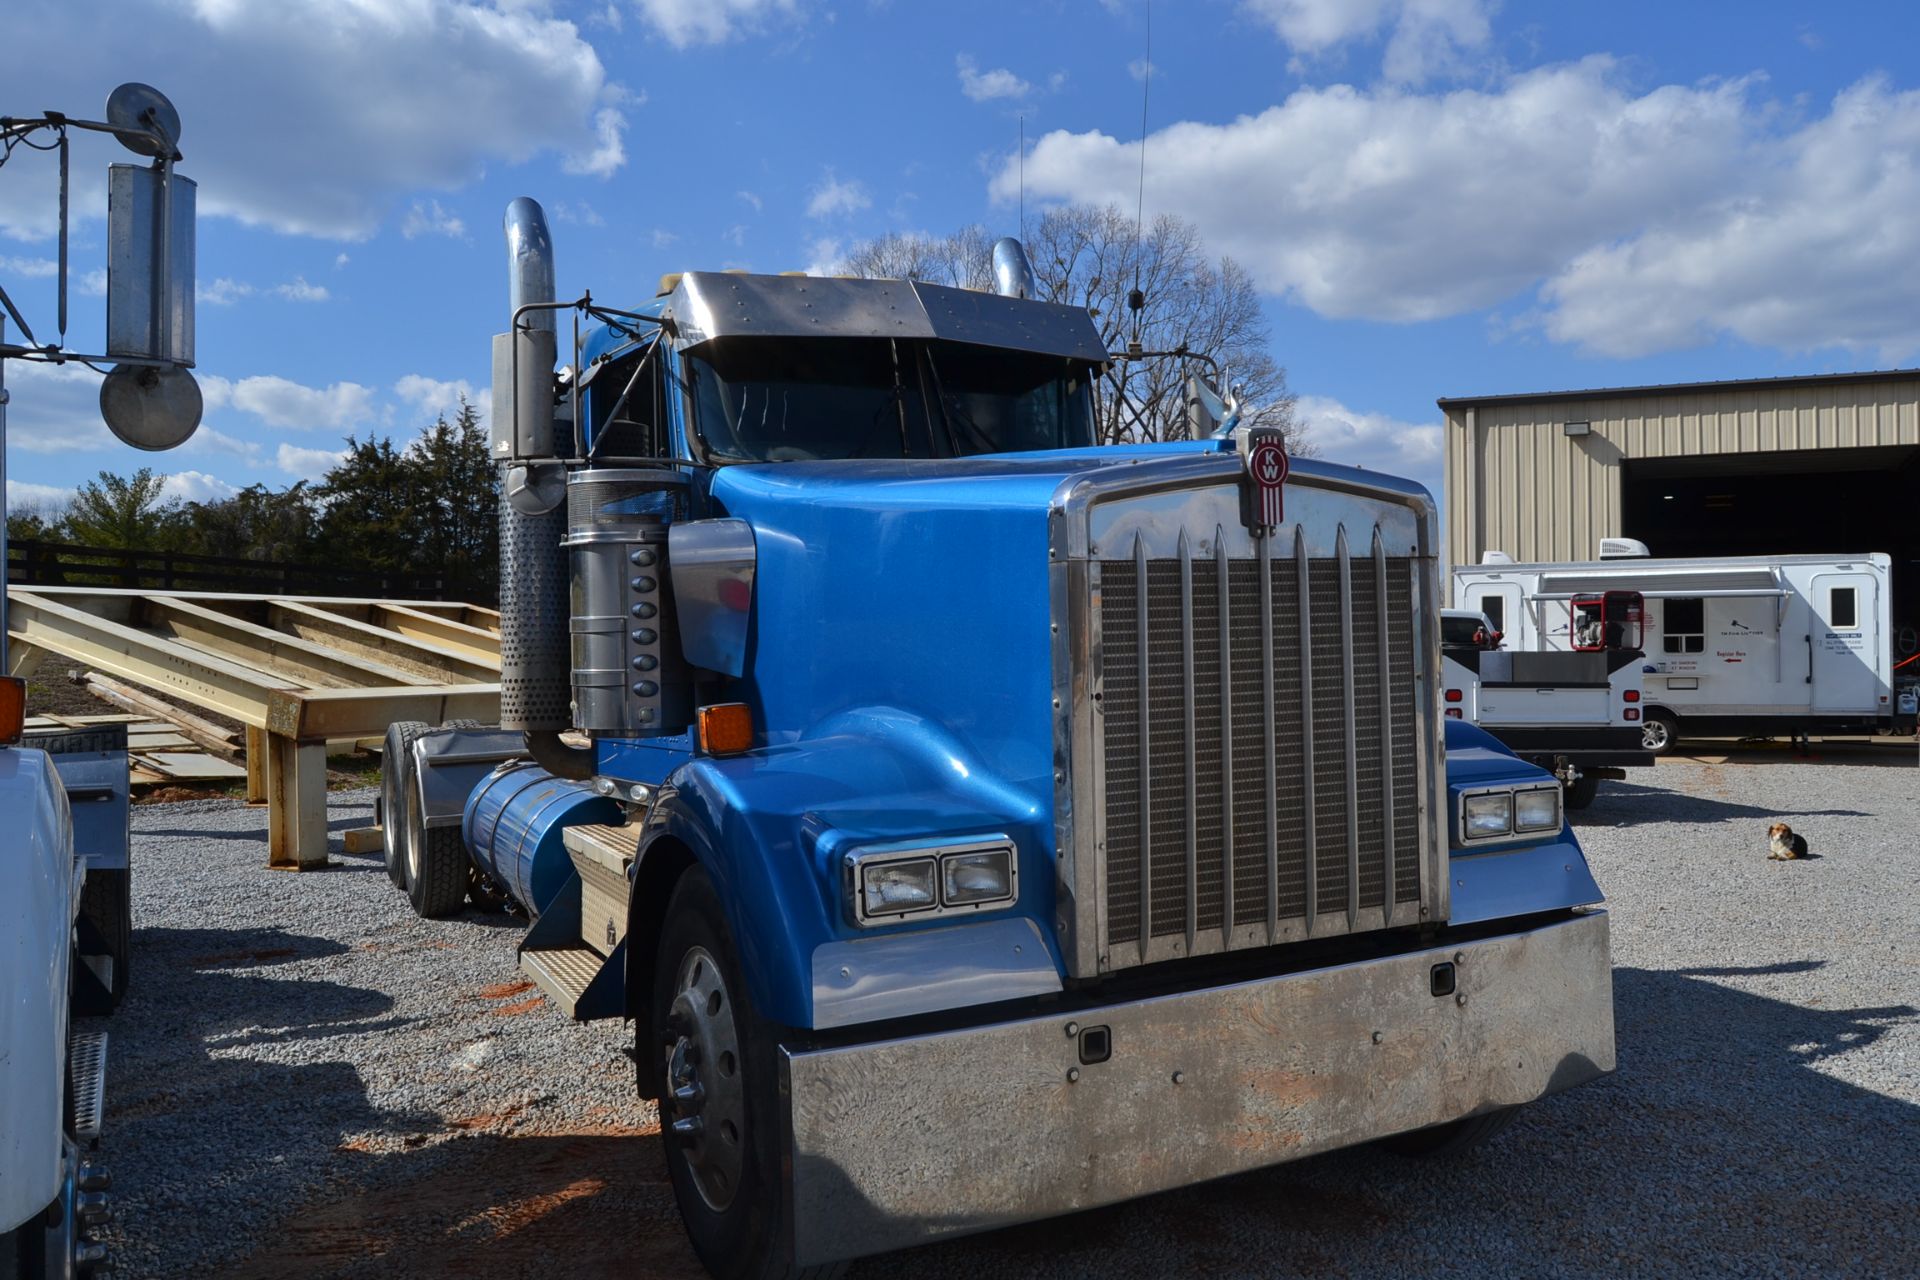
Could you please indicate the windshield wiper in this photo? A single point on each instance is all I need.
(951, 410)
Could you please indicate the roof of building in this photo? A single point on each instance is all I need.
(1687, 388)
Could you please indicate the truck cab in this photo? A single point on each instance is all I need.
(921, 779)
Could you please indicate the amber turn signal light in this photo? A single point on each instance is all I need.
(13, 709)
(726, 728)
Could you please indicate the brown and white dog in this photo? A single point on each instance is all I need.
(1783, 845)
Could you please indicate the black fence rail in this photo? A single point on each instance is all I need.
(33, 563)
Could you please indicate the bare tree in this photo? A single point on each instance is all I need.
(1092, 257)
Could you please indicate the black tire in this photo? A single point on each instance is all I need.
(1452, 1139)
(727, 1183)
(1659, 732)
(401, 735)
(436, 862)
(1582, 792)
(106, 900)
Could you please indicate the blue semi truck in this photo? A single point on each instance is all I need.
(974, 824)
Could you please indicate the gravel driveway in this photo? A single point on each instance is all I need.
(306, 1081)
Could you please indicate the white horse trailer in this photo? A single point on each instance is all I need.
(1734, 646)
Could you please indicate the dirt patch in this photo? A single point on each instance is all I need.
(503, 990)
(519, 1007)
(174, 795)
(503, 1206)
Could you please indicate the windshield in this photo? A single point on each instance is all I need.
(786, 400)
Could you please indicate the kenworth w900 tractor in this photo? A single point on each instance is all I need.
(976, 824)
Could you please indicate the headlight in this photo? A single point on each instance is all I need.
(891, 888)
(973, 878)
(1487, 814)
(901, 880)
(1537, 810)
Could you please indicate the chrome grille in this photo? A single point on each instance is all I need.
(1254, 788)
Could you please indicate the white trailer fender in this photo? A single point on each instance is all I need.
(39, 898)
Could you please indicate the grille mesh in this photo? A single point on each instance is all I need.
(1221, 772)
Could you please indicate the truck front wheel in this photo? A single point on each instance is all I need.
(719, 1110)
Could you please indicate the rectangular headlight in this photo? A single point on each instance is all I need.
(1487, 815)
(894, 888)
(973, 878)
(1537, 810)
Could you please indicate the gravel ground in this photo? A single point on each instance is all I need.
(306, 1081)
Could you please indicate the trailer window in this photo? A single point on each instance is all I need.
(1683, 625)
(1843, 610)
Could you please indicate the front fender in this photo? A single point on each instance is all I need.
(39, 898)
(1508, 880)
(770, 827)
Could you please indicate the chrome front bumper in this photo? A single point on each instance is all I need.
(905, 1141)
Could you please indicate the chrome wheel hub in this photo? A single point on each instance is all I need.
(1653, 735)
(705, 1110)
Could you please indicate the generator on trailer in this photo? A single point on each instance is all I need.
(920, 779)
(1737, 645)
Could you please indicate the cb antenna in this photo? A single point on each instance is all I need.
(1023, 177)
(1136, 298)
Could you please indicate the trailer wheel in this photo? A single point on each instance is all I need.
(719, 1112)
(401, 735)
(106, 900)
(1659, 732)
(1582, 792)
(1452, 1139)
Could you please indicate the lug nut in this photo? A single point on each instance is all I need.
(90, 1209)
(689, 1096)
(94, 1177)
(689, 1129)
(91, 1254)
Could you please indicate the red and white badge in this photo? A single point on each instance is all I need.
(1265, 452)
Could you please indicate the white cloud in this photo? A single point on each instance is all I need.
(1140, 69)
(428, 218)
(1424, 37)
(23, 495)
(1815, 246)
(1400, 206)
(298, 290)
(683, 23)
(94, 283)
(609, 152)
(54, 409)
(31, 268)
(985, 86)
(194, 486)
(340, 260)
(1371, 440)
(736, 235)
(209, 441)
(835, 198)
(432, 398)
(222, 292)
(309, 464)
(662, 237)
(383, 98)
(750, 197)
(578, 212)
(279, 402)
(823, 256)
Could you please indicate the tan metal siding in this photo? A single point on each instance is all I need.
(1515, 482)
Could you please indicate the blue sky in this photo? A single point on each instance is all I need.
(1436, 197)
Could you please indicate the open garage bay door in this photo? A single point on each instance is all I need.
(1809, 502)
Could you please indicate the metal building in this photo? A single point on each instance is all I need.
(1810, 465)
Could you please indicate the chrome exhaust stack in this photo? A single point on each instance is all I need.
(534, 692)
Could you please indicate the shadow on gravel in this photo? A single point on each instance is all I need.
(1630, 803)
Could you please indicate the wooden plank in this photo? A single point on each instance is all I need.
(191, 766)
(314, 715)
(297, 804)
(104, 595)
(436, 662)
(298, 659)
(204, 732)
(221, 685)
